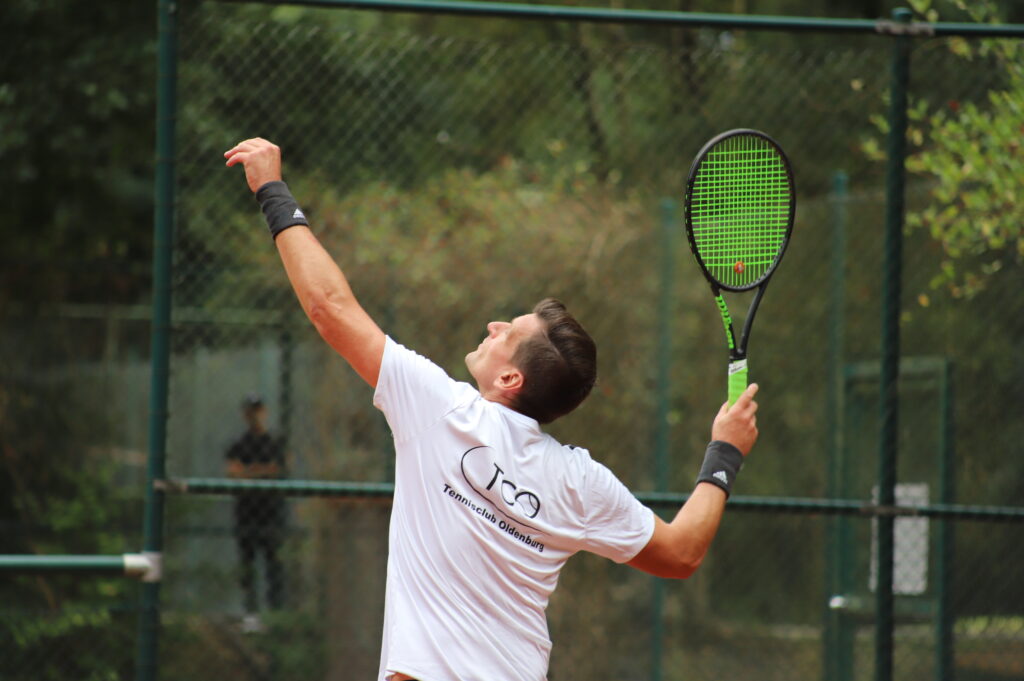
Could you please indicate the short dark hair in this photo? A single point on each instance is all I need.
(559, 364)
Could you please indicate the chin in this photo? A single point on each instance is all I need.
(470, 363)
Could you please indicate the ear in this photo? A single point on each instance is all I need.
(509, 380)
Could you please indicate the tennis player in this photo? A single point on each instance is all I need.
(487, 507)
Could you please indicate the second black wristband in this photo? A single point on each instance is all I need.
(279, 207)
(722, 463)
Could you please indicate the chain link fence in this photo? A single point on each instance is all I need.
(459, 171)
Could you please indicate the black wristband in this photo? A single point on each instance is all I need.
(722, 463)
(279, 207)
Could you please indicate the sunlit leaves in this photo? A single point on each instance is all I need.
(970, 152)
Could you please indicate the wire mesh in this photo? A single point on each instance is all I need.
(461, 171)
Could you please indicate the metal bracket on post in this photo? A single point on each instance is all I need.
(147, 566)
(176, 486)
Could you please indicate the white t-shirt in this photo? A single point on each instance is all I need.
(487, 510)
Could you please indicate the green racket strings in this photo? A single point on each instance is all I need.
(739, 210)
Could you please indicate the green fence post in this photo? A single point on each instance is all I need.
(945, 616)
(163, 230)
(662, 397)
(889, 396)
(836, 667)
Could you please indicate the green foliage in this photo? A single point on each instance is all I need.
(74, 643)
(59, 495)
(977, 163)
(53, 484)
(970, 152)
(290, 644)
(76, 95)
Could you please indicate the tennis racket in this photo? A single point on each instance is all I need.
(740, 205)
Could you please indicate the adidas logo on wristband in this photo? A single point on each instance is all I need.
(722, 462)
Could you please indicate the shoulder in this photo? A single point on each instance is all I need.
(567, 468)
(238, 444)
(575, 456)
(414, 392)
(402, 368)
(597, 481)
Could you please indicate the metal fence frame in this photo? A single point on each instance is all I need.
(146, 565)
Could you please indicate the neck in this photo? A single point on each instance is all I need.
(499, 396)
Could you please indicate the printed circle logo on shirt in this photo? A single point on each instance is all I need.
(486, 477)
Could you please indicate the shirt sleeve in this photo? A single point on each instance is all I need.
(618, 526)
(412, 392)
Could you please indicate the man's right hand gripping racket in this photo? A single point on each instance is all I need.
(740, 206)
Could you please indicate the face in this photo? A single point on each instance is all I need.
(493, 357)
(256, 417)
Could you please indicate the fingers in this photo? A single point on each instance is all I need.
(744, 401)
(748, 408)
(242, 151)
(737, 424)
(747, 397)
(246, 145)
(260, 158)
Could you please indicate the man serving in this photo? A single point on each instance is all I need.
(488, 507)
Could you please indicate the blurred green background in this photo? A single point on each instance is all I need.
(460, 170)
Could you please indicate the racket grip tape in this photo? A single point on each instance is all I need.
(737, 380)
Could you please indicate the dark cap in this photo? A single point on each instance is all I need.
(251, 401)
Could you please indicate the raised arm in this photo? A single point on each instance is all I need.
(677, 549)
(319, 283)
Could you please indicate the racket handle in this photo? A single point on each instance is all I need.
(737, 380)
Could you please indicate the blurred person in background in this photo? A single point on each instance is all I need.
(259, 516)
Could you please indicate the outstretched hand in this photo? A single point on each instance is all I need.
(737, 424)
(261, 159)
